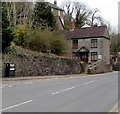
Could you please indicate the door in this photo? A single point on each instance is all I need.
(84, 57)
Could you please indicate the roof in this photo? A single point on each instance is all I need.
(55, 6)
(88, 32)
(83, 49)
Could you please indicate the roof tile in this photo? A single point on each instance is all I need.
(88, 32)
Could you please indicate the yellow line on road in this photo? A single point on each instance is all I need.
(115, 108)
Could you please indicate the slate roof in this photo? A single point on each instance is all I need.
(88, 32)
(55, 6)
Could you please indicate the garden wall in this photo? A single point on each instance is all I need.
(116, 66)
(102, 68)
(41, 65)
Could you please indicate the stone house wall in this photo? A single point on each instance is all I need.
(106, 50)
(57, 12)
(103, 48)
(59, 24)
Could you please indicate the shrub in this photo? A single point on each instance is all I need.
(43, 15)
(20, 33)
(46, 41)
(7, 37)
(39, 40)
(66, 27)
(10, 50)
(58, 43)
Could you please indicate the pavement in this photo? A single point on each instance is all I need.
(39, 77)
(47, 77)
(76, 93)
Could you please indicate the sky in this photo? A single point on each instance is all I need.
(108, 9)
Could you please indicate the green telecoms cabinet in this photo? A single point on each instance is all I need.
(10, 70)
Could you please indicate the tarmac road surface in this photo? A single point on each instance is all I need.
(97, 93)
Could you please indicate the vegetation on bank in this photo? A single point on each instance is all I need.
(45, 41)
(115, 45)
(40, 36)
(36, 28)
(23, 52)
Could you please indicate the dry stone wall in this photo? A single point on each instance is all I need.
(41, 65)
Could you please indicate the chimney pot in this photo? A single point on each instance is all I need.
(72, 25)
(55, 2)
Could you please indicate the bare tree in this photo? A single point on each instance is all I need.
(14, 14)
(19, 11)
(9, 12)
(81, 13)
(93, 17)
(69, 9)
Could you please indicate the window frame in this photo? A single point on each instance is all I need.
(59, 13)
(75, 44)
(94, 43)
(94, 56)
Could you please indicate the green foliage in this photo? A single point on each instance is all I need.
(46, 41)
(20, 33)
(80, 20)
(43, 16)
(116, 47)
(5, 22)
(58, 43)
(7, 34)
(66, 27)
(10, 50)
(39, 40)
(115, 43)
(7, 37)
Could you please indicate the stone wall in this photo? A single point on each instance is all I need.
(41, 65)
(116, 66)
(102, 68)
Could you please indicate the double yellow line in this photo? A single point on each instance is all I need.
(115, 108)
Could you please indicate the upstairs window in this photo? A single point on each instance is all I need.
(93, 43)
(58, 13)
(94, 56)
(75, 44)
(52, 10)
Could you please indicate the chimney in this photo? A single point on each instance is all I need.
(55, 2)
(72, 25)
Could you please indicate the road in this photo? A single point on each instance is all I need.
(96, 93)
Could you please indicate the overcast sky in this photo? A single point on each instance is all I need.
(108, 9)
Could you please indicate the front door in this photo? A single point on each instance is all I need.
(84, 57)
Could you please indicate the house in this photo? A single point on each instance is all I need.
(89, 44)
(58, 14)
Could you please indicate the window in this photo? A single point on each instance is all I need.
(93, 43)
(52, 9)
(94, 56)
(75, 44)
(58, 13)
